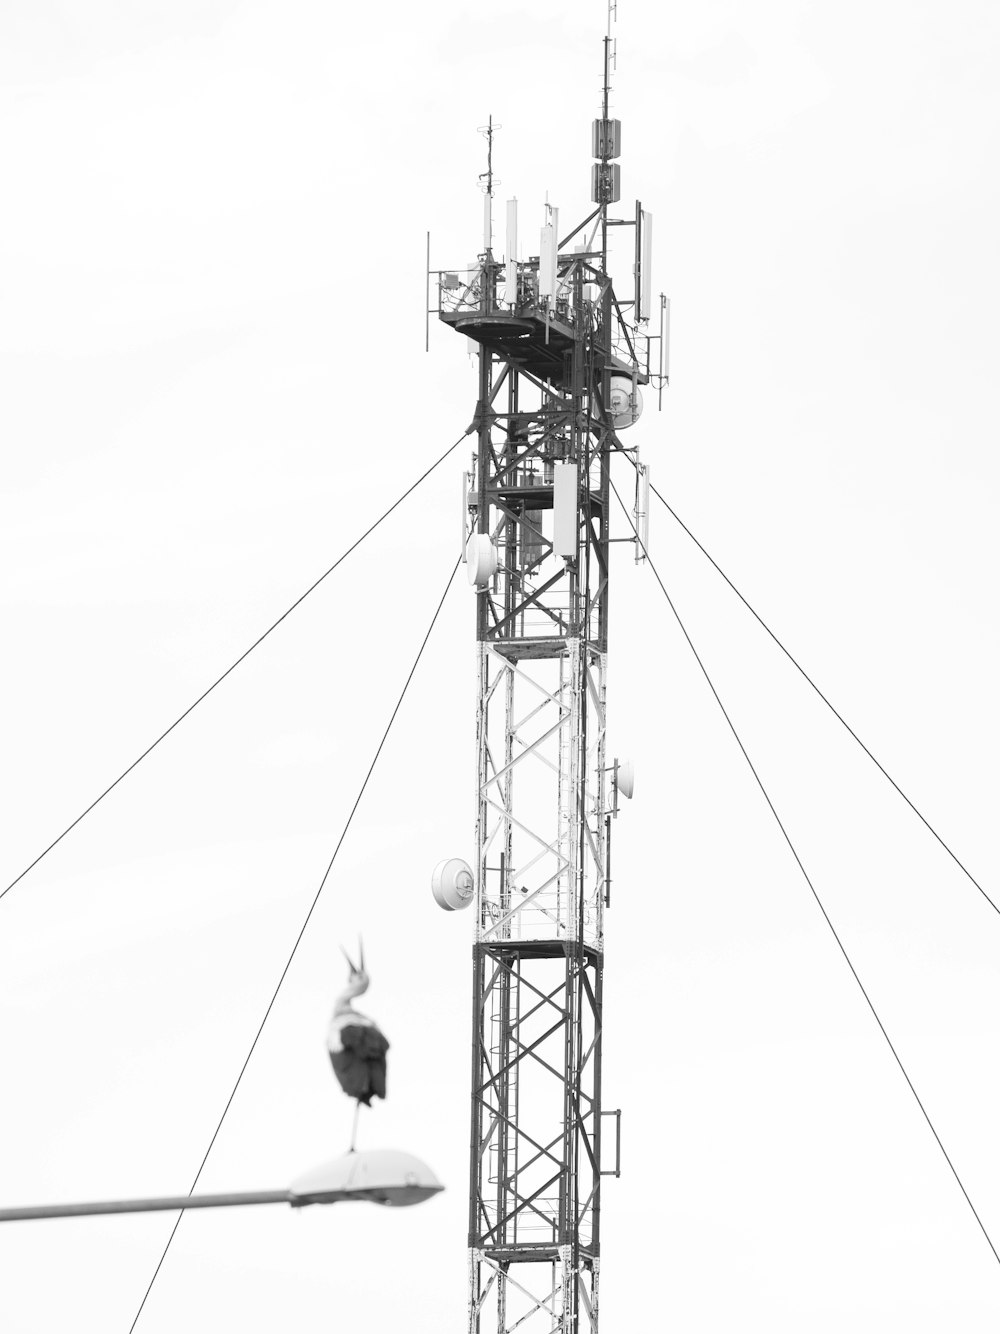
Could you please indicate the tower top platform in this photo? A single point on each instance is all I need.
(499, 307)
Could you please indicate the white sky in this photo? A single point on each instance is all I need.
(213, 377)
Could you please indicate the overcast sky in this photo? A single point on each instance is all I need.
(212, 378)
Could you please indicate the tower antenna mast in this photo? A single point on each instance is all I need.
(488, 130)
(561, 359)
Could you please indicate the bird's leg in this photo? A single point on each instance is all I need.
(354, 1131)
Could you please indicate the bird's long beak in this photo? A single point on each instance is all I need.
(361, 953)
(349, 961)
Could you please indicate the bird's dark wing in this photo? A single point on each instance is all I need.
(365, 1040)
(360, 1066)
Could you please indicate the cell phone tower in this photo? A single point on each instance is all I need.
(560, 361)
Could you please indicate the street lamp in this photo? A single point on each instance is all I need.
(381, 1176)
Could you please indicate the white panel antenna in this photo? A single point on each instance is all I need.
(548, 257)
(510, 280)
(564, 510)
(646, 268)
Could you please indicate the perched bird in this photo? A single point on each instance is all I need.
(356, 1045)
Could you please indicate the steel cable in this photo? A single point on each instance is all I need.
(836, 713)
(302, 931)
(243, 656)
(806, 877)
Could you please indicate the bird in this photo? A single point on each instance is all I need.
(356, 1044)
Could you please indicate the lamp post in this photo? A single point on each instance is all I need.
(381, 1176)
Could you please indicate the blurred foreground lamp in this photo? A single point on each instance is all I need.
(380, 1176)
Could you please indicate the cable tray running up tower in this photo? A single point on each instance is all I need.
(561, 359)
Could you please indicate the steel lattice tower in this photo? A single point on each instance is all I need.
(559, 361)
